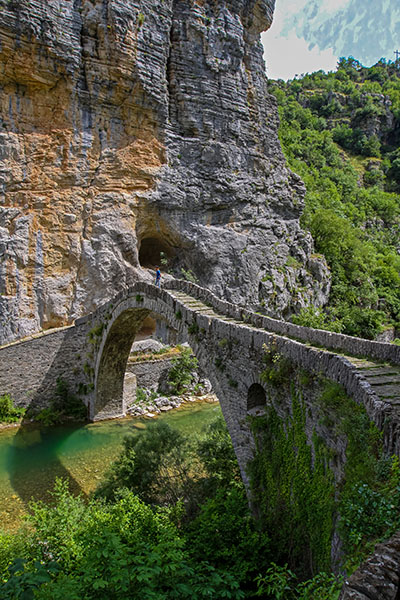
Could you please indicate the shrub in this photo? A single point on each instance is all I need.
(68, 403)
(181, 373)
(48, 416)
(8, 413)
(156, 465)
(100, 551)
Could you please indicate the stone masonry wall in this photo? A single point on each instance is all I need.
(78, 355)
(150, 372)
(29, 369)
(380, 351)
(232, 356)
(378, 577)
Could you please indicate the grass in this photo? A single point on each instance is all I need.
(162, 354)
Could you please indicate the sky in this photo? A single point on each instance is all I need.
(308, 35)
(285, 53)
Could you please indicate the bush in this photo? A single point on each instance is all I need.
(355, 228)
(68, 403)
(225, 534)
(48, 416)
(159, 466)
(8, 413)
(181, 373)
(100, 551)
(217, 455)
(281, 583)
(368, 514)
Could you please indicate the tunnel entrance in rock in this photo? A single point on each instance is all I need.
(154, 252)
(256, 396)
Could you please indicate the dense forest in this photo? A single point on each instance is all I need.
(171, 520)
(340, 132)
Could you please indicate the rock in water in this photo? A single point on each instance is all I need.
(135, 133)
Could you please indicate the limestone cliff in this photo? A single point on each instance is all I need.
(131, 128)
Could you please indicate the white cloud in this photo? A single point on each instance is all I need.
(287, 57)
(332, 6)
(286, 54)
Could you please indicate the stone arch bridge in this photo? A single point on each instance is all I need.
(231, 344)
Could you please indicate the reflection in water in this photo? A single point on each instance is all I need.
(35, 459)
(32, 457)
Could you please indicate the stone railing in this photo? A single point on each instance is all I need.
(347, 344)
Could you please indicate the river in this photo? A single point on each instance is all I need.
(31, 457)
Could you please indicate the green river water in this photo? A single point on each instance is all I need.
(31, 457)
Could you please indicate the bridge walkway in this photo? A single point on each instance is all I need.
(383, 377)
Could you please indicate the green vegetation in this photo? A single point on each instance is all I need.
(65, 405)
(188, 275)
(141, 396)
(292, 482)
(293, 491)
(171, 518)
(171, 521)
(181, 371)
(281, 583)
(140, 19)
(8, 413)
(369, 504)
(339, 132)
(146, 355)
(95, 333)
(102, 551)
(278, 368)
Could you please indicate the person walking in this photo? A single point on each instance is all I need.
(158, 277)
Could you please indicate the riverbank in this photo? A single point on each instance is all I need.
(32, 456)
(153, 406)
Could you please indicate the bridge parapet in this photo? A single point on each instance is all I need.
(329, 340)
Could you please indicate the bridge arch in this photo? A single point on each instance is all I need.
(118, 330)
(111, 367)
(230, 370)
(233, 346)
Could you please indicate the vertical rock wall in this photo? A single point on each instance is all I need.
(130, 127)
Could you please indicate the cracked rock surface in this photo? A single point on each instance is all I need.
(133, 128)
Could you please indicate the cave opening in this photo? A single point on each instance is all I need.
(154, 252)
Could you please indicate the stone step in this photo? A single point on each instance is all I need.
(380, 372)
(231, 320)
(395, 402)
(363, 363)
(381, 380)
(386, 391)
(182, 295)
(193, 305)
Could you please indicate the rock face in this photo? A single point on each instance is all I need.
(378, 577)
(135, 132)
